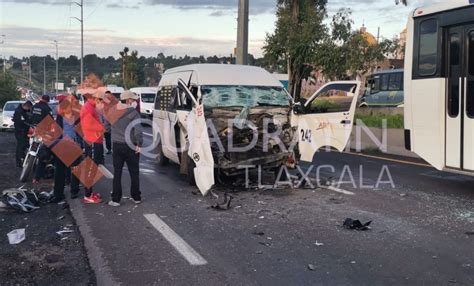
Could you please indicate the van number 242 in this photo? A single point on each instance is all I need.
(306, 135)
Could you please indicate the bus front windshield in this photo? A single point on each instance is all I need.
(243, 96)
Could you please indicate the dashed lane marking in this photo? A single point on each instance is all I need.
(176, 241)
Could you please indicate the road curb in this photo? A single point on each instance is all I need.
(102, 271)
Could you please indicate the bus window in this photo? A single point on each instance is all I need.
(454, 74)
(384, 85)
(375, 85)
(428, 49)
(395, 82)
(470, 88)
(471, 53)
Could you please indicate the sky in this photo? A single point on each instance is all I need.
(172, 27)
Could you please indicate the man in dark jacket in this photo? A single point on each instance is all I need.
(22, 121)
(123, 153)
(40, 111)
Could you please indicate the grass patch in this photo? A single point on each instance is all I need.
(393, 121)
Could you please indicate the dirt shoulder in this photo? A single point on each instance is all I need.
(44, 257)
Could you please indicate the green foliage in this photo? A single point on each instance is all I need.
(393, 121)
(7, 88)
(323, 105)
(299, 32)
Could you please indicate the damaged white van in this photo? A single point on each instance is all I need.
(221, 120)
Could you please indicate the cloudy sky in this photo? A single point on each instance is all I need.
(174, 27)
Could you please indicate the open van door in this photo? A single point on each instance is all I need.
(326, 118)
(199, 143)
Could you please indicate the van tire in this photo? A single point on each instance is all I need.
(190, 176)
(160, 157)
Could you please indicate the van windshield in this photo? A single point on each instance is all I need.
(243, 96)
(148, 97)
(10, 106)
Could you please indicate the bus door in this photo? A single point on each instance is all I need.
(460, 98)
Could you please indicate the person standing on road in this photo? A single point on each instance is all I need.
(22, 121)
(68, 119)
(41, 110)
(123, 153)
(93, 131)
(108, 127)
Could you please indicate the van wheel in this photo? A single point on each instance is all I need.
(160, 157)
(191, 166)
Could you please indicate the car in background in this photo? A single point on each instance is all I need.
(7, 115)
(147, 99)
(115, 90)
(384, 89)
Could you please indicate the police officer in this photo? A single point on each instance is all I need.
(40, 111)
(22, 121)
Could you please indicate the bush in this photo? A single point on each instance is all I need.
(393, 121)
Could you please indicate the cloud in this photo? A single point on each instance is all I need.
(256, 6)
(30, 40)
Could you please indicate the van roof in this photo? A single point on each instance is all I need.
(224, 74)
(388, 71)
(144, 89)
(440, 7)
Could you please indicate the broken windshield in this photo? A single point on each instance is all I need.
(243, 96)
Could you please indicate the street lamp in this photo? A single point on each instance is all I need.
(57, 60)
(81, 20)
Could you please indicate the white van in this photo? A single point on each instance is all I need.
(147, 99)
(227, 119)
(7, 114)
(115, 90)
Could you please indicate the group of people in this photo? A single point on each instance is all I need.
(101, 117)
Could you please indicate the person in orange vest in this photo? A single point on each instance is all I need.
(93, 135)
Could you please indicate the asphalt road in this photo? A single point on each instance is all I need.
(420, 232)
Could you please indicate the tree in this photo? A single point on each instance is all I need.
(347, 53)
(299, 32)
(8, 89)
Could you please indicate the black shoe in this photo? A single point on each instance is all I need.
(108, 152)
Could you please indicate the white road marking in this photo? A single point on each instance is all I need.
(176, 241)
(148, 134)
(338, 190)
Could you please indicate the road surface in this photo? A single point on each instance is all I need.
(421, 231)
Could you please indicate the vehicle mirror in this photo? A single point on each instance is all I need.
(298, 108)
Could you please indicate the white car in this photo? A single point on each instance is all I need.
(7, 114)
(147, 99)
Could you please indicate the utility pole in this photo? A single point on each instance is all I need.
(243, 33)
(57, 71)
(81, 20)
(44, 75)
(29, 69)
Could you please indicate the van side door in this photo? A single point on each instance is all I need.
(327, 117)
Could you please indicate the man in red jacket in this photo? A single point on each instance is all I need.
(93, 135)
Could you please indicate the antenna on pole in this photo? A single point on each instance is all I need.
(81, 20)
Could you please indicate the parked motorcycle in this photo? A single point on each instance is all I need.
(37, 151)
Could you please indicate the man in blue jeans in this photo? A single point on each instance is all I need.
(125, 154)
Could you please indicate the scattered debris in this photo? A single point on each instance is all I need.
(356, 224)
(265, 243)
(16, 236)
(61, 232)
(3, 205)
(225, 205)
(260, 233)
(353, 262)
(469, 232)
(311, 267)
(318, 243)
(453, 281)
(403, 195)
(101, 214)
(21, 199)
(61, 217)
(261, 217)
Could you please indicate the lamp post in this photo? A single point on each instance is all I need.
(57, 71)
(81, 20)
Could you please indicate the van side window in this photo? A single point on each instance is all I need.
(163, 98)
(375, 88)
(428, 48)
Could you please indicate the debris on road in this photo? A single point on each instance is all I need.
(61, 217)
(318, 243)
(311, 267)
(65, 230)
(469, 232)
(356, 224)
(16, 236)
(21, 199)
(225, 205)
(260, 233)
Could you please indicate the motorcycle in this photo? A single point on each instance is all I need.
(37, 151)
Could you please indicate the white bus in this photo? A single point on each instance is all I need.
(439, 85)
